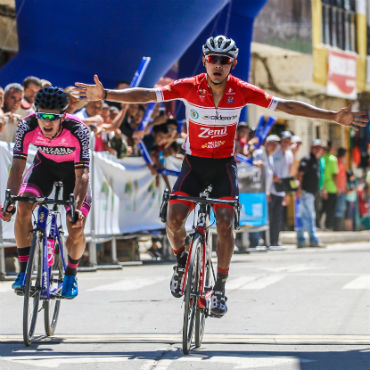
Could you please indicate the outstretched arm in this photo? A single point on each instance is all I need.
(97, 92)
(344, 116)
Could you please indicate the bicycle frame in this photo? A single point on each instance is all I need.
(40, 226)
(200, 227)
(43, 214)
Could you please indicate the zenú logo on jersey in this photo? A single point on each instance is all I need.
(211, 133)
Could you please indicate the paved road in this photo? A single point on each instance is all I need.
(297, 309)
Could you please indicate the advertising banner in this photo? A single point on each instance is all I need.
(342, 75)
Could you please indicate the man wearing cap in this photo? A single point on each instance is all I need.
(309, 179)
(282, 167)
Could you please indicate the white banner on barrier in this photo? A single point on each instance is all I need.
(6, 157)
(126, 198)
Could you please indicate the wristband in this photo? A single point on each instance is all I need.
(105, 94)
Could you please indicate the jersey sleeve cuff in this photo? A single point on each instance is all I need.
(159, 94)
(80, 165)
(20, 156)
(274, 103)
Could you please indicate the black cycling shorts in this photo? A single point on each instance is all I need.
(197, 173)
(40, 177)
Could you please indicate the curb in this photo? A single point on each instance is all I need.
(329, 237)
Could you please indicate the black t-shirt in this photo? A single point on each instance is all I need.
(310, 166)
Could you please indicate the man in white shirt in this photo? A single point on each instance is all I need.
(282, 166)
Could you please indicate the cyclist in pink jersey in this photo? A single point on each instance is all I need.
(213, 102)
(63, 155)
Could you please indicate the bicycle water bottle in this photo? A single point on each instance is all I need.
(51, 250)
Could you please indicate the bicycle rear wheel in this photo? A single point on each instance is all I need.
(191, 294)
(32, 289)
(52, 305)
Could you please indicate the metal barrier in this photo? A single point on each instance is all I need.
(254, 206)
(253, 198)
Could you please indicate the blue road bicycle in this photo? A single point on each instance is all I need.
(43, 281)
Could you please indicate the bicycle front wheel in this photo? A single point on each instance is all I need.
(200, 313)
(52, 305)
(191, 294)
(32, 289)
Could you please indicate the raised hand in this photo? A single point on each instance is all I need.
(90, 92)
(351, 119)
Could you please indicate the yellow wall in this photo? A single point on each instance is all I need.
(361, 47)
(320, 51)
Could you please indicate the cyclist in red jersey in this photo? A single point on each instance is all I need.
(63, 155)
(213, 102)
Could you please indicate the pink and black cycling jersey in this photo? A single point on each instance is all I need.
(70, 145)
(211, 130)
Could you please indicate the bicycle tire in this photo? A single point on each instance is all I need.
(200, 313)
(32, 290)
(52, 305)
(191, 295)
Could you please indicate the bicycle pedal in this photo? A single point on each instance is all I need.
(215, 316)
(19, 292)
(55, 296)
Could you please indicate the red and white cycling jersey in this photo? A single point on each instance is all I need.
(211, 130)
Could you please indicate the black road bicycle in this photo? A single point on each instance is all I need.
(199, 276)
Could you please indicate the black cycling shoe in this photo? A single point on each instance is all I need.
(218, 304)
(178, 274)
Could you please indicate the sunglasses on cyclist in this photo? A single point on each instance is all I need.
(49, 116)
(222, 59)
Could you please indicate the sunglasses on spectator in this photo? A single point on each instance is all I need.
(49, 116)
(222, 59)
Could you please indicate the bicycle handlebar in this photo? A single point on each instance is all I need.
(10, 199)
(200, 200)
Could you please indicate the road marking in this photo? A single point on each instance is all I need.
(362, 282)
(243, 361)
(294, 268)
(208, 338)
(263, 282)
(6, 286)
(129, 284)
(241, 281)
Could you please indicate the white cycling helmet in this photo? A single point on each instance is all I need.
(220, 45)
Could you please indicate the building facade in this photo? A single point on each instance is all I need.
(318, 52)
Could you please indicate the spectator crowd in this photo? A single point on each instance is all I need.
(320, 187)
(116, 126)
